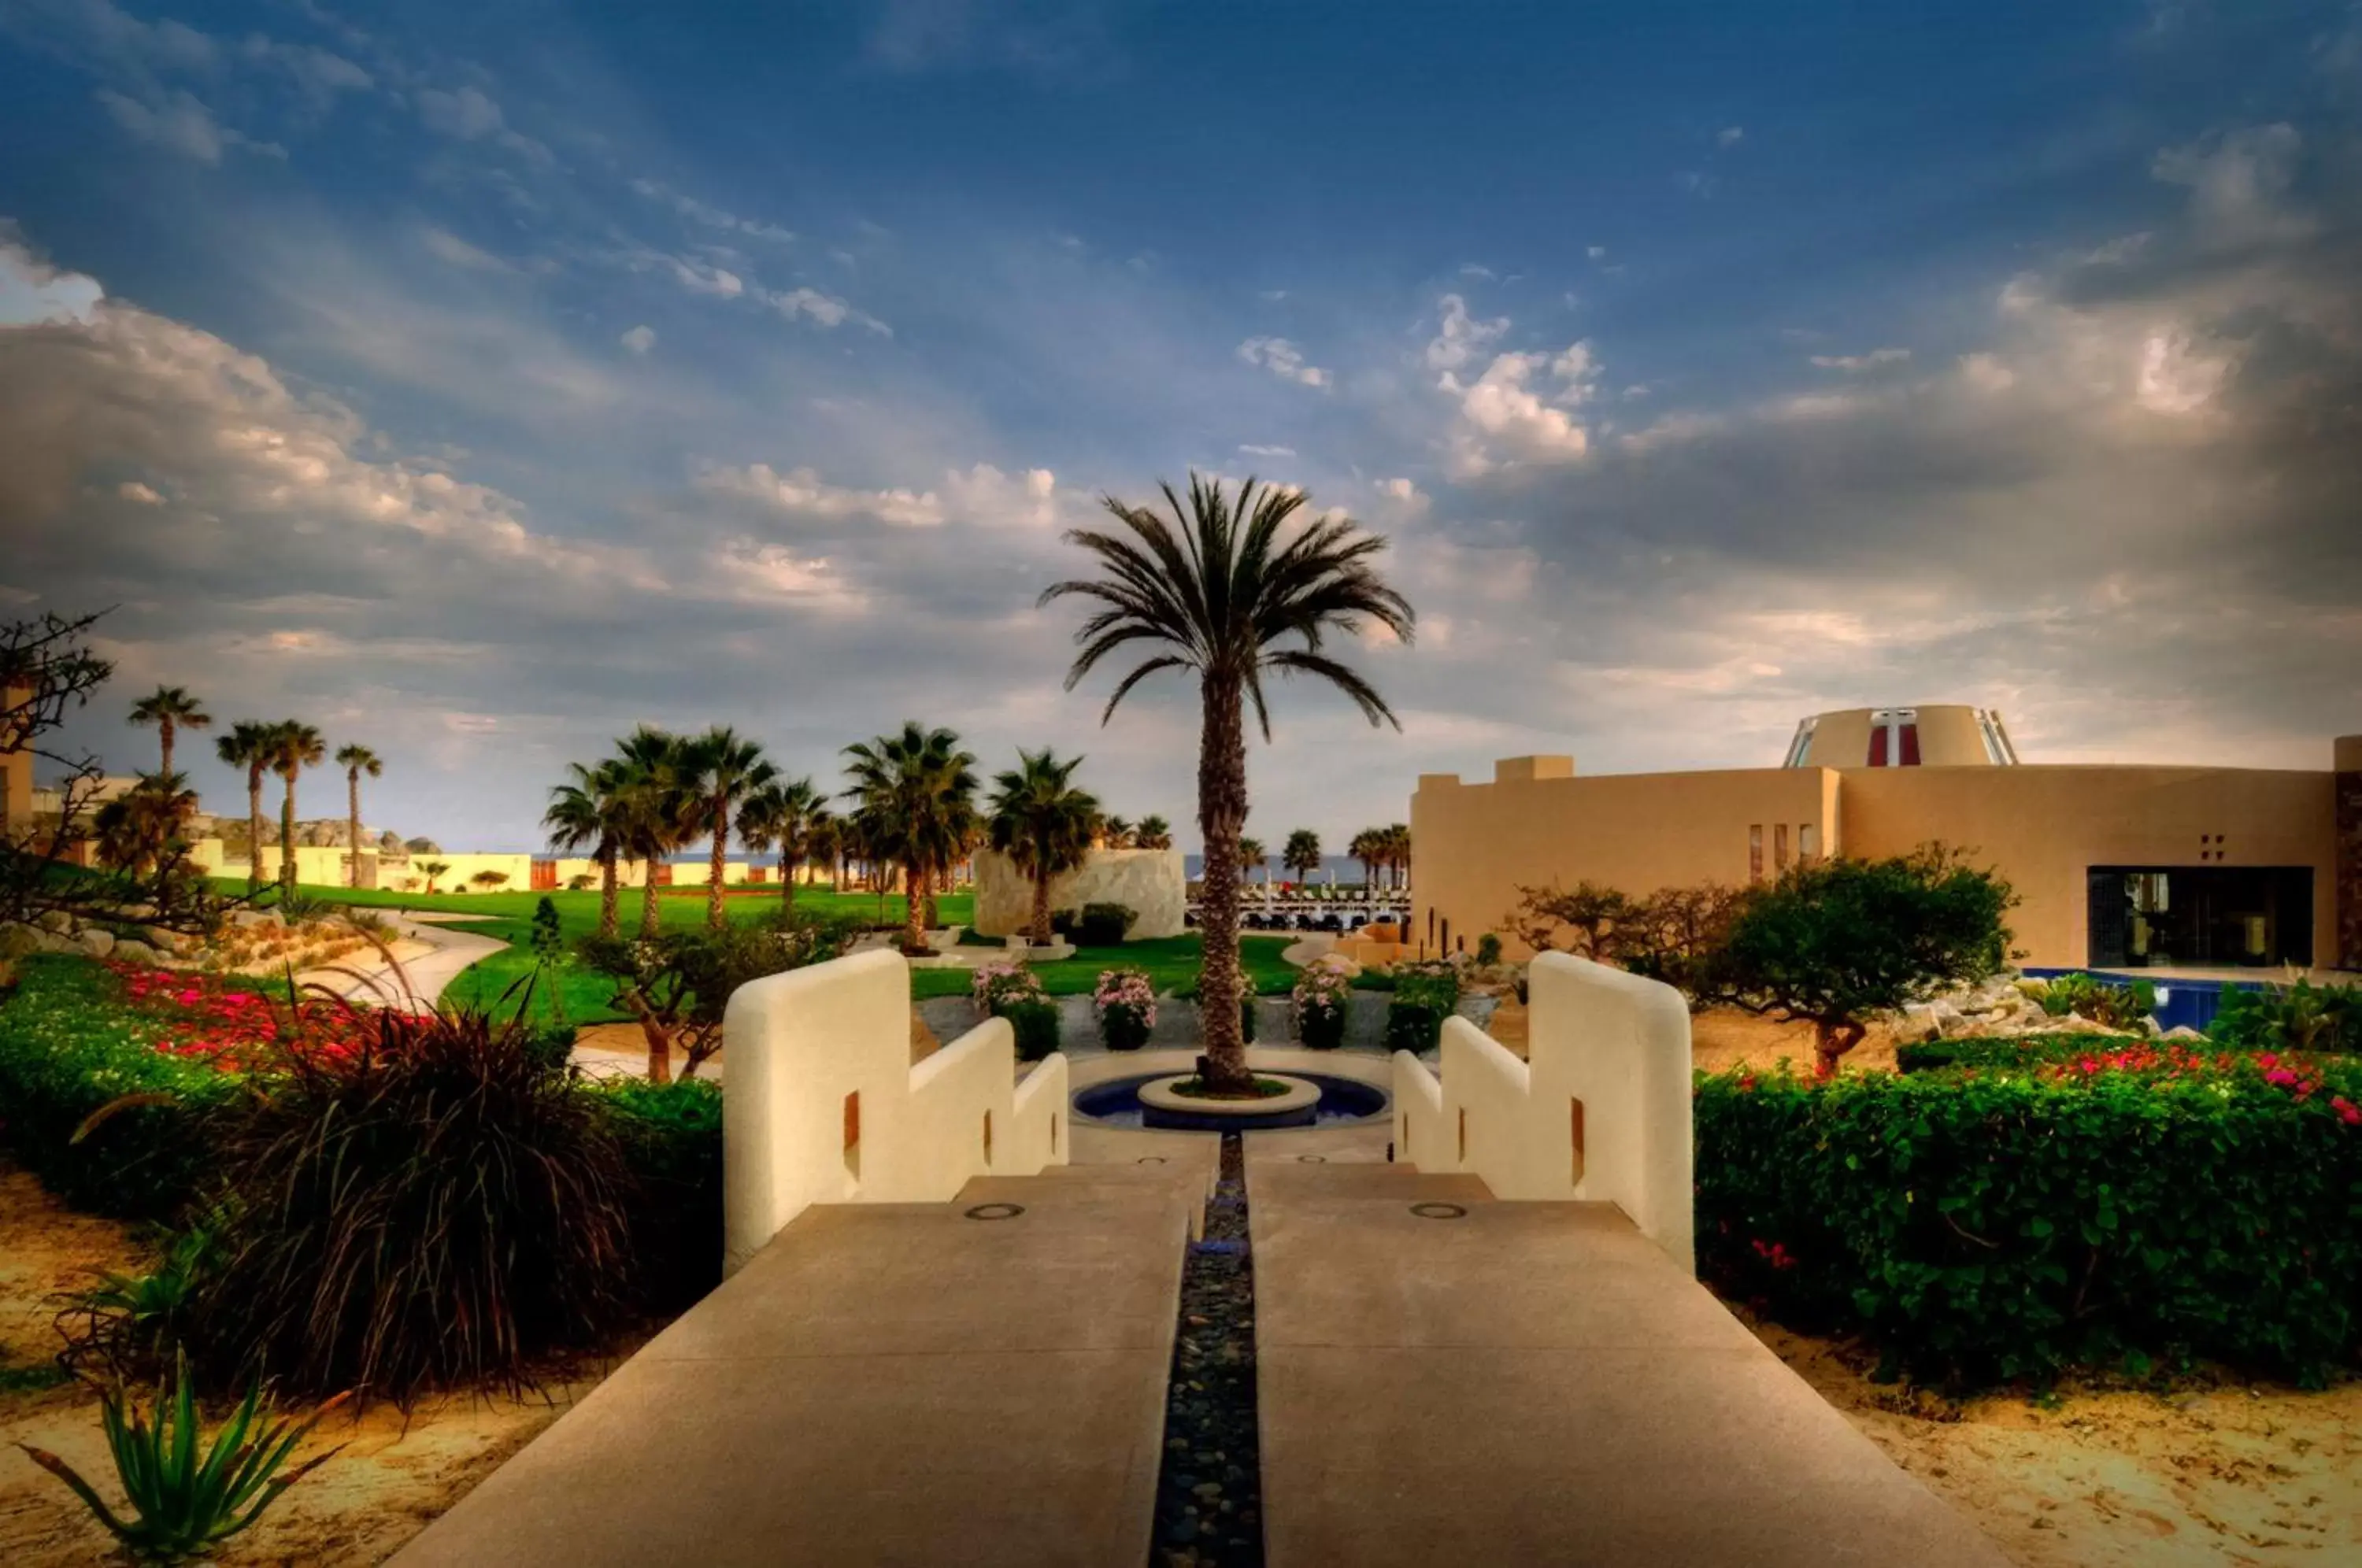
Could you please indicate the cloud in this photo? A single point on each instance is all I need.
(469, 113)
(1854, 364)
(1730, 136)
(32, 292)
(1283, 360)
(1505, 420)
(1254, 451)
(132, 490)
(710, 216)
(447, 247)
(1473, 269)
(639, 340)
(2239, 183)
(981, 496)
(1460, 337)
(1597, 252)
(1404, 493)
(178, 123)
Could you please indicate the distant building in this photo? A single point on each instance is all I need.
(2114, 865)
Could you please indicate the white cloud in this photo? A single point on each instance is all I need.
(470, 115)
(447, 247)
(33, 291)
(1254, 451)
(132, 490)
(1475, 269)
(710, 216)
(1460, 337)
(1506, 420)
(1854, 364)
(810, 304)
(639, 340)
(1404, 493)
(2239, 183)
(1597, 252)
(1283, 360)
(1730, 136)
(982, 494)
(177, 122)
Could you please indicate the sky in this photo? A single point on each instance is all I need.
(477, 381)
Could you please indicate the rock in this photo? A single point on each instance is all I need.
(163, 940)
(2181, 1031)
(53, 942)
(96, 943)
(256, 917)
(133, 952)
(56, 921)
(1918, 1022)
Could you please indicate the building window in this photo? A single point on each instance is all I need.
(1802, 746)
(1808, 842)
(1779, 846)
(1755, 852)
(1998, 751)
(1894, 737)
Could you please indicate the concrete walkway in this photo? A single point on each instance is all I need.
(420, 980)
(1537, 1384)
(883, 1384)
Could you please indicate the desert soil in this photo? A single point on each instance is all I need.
(392, 1475)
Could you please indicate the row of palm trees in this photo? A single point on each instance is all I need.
(1384, 849)
(136, 828)
(910, 808)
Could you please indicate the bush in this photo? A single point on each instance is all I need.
(2027, 1050)
(1425, 994)
(551, 1045)
(1036, 1023)
(1103, 925)
(2086, 996)
(1319, 1001)
(433, 1210)
(1125, 1003)
(2302, 1017)
(2116, 1209)
(671, 1135)
(70, 1045)
(1488, 950)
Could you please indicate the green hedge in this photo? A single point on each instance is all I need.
(69, 1046)
(1985, 1226)
(2018, 1051)
(671, 1135)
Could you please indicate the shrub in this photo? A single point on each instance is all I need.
(1318, 1003)
(1425, 994)
(1488, 950)
(2025, 1051)
(1002, 981)
(678, 983)
(2086, 996)
(551, 1045)
(1125, 1001)
(2114, 1210)
(1103, 925)
(1586, 919)
(671, 1135)
(1036, 1023)
(435, 1210)
(2302, 1016)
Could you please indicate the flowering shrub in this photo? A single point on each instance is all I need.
(2127, 1203)
(1003, 981)
(228, 1025)
(1318, 1003)
(2085, 996)
(1125, 1001)
(1425, 994)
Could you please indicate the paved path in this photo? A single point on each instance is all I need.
(1536, 1384)
(422, 980)
(883, 1384)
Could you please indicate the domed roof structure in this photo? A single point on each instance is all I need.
(1938, 734)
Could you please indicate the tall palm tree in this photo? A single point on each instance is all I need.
(1252, 857)
(915, 798)
(294, 747)
(356, 760)
(653, 807)
(170, 710)
(1042, 823)
(1302, 855)
(1398, 852)
(790, 814)
(584, 814)
(1114, 831)
(718, 769)
(1153, 833)
(140, 828)
(248, 746)
(1215, 589)
(1365, 848)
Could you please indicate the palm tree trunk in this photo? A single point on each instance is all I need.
(914, 908)
(606, 889)
(353, 826)
(648, 922)
(287, 838)
(1040, 935)
(253, 833)
(788, 864)
(164, 731)
(713, 915)
(1221, 812)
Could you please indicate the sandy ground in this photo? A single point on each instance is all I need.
(391, 1477)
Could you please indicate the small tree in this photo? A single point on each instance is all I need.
(488, 881)
(431, 869)
(1834, 941)
(1674, 933)
(1302, 855)
(677, 984)
(1583, 919)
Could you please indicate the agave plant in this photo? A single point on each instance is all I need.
(187, 1496)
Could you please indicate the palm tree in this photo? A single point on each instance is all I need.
(140, 828)
(1153, 833)
(1302, 855)
(1252, 856)
(1042, 823)
(248, 746)
(1114, 831)
(914, 797)
(170, 710)
(1397, 839)
(1215, 589)
(652, 807)
(294, 747)
(1365, 848)
(356, 760)
(584, 813)
(431, 869)
(791, 815)
(718, 769)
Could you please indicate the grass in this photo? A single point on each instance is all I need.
(1171, 963)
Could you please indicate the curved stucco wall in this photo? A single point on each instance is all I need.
(1148, 880)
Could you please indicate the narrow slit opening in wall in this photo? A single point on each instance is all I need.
(1780, 847)
(1574, 1131)
(1809, 842)
(1463, 1134)
(988, 1138)
(1755, 852)
(853, 1134)
(1053, 1134)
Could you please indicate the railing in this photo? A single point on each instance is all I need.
(821, 1104)
(1598, 1112)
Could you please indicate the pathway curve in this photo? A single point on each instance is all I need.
(422, 980)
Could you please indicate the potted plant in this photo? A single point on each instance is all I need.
(1320, 1004)
(1125, 1001)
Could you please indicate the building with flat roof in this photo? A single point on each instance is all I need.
(2114, 865)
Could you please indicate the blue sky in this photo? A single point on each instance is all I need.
(477, 381)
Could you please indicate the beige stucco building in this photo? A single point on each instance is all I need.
(2113, 866)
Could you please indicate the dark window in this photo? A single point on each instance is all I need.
(1909, 746)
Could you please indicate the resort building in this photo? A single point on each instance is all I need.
(2114, 865)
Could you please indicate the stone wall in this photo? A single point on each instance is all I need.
(1149, 880)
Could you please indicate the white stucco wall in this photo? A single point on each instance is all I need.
(1149, 880)
(796, 1046)
(1614, 1043)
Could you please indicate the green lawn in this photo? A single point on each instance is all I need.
(1171, 963)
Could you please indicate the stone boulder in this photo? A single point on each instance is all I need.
(96, 943)
(136, 952)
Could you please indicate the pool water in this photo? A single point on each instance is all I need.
(1342, 1100)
